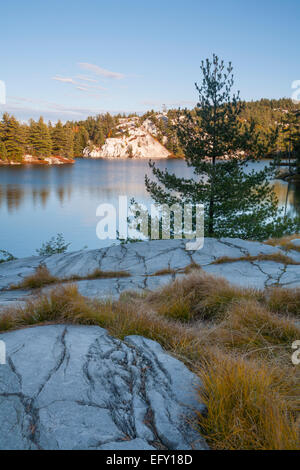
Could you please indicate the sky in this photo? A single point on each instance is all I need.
(70, 59)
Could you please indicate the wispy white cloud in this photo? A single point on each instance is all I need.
(64, 79)
(79, 85)
(100, 71)
(84, 78)
(82, 88)
(25, 108)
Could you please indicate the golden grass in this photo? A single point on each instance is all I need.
(40, 278)
(164, 272)
(43, 277)
(284, 301)
(254, 331)
(191, 267)
(198, 296)
(186, 270)
(284, 242)
(247, 406)
(277, 257)
(242, 354)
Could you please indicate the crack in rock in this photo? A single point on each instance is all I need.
(82, 388)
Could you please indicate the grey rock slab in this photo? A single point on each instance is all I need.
(13, 272)
(240, 273)
(167, 370)
(13, 298)
(217, 248)
(76, 387)
(250, 247)
(296, 242)
(295, 255)
(291, 276)
(144, 259)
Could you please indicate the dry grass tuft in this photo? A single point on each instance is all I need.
(252, 330)
(197, 296)
(284, 242)
(42, 277)
(99, 274)
(284, 301)
(277, 257)
(164, 272)
(247, 406)
(191, 268)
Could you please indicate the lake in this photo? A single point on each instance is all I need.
(37, 202)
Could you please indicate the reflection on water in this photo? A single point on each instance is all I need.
(36, 202)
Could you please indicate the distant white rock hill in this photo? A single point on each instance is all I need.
(134, 142)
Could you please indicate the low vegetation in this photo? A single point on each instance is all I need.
(276, 257)
(285, 242)
(42, 277)
(6, 256)
(56, 245)
(284, 301)
(164, 272)
(237, 340)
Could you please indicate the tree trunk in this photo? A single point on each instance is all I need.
(212, 201)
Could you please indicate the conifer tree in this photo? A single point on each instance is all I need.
(291, 138)
(81, 139)
(59, 139)
(69, 145)
(3, 153)
(13, 137)
(39, 139)
(238, 202)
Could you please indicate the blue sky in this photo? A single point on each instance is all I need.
(69, 59)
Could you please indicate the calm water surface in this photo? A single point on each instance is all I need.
(36, 202)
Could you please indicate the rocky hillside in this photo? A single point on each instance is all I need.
(132, 140)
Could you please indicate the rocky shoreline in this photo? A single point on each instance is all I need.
(31, 160)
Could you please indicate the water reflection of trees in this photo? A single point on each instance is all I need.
(295, 197)
(288, 195)
(13, 196)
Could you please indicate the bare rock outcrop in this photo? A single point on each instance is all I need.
(76, 387)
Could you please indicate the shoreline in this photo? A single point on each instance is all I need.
(30, 160)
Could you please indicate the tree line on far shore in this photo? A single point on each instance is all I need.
(42, 140)
(276, 121)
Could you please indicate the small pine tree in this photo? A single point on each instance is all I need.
(238, 202)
